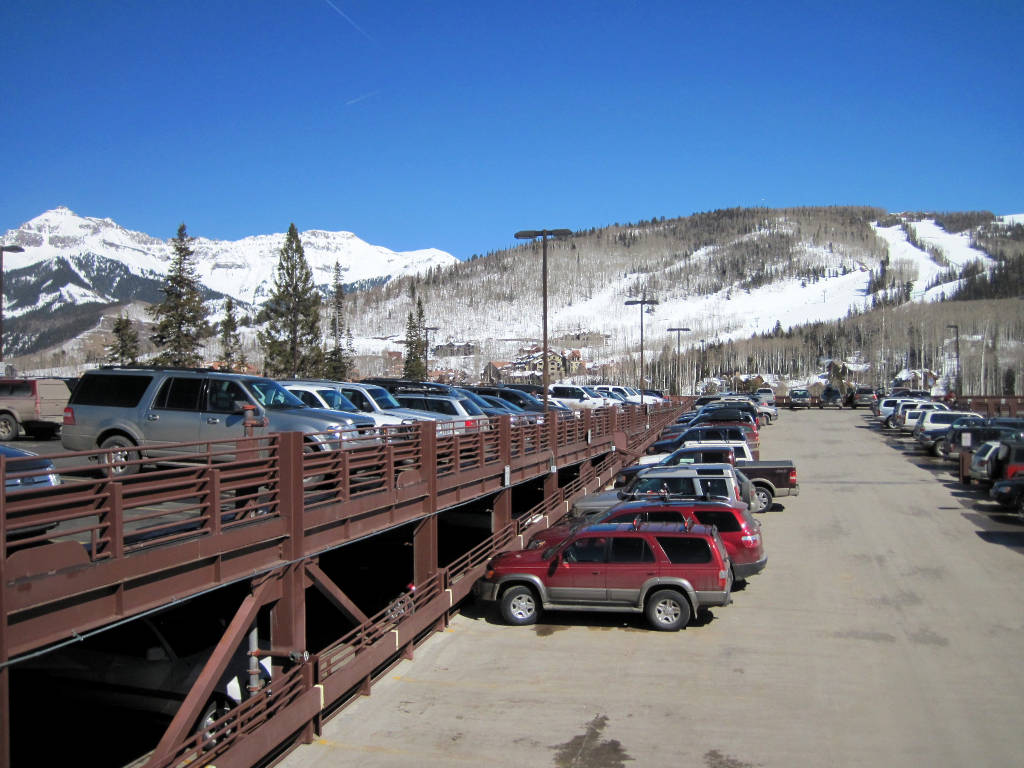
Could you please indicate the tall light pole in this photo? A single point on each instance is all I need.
(426, 349)
(959, 383)
(543, 234)
(4, 249)
(643, 302)
(678, 332)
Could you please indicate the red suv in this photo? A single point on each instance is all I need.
(739, 531)
(665, 571)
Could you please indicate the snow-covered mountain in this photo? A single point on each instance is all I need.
(243, 269)
(725, 275)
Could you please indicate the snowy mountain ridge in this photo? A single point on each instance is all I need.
(243, 269)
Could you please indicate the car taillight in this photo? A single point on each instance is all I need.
(792, 476)
(738, 493)
(69, 416)
(470, 423)
(750, 540)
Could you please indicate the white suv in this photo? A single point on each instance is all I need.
(328, 394)
(575, 397)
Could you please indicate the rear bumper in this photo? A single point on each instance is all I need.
(745, 570)
(785, 491)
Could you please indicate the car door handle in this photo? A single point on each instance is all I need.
(212, 420)
(152, 417)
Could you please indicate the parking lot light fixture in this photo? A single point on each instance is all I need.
(544, 234)
(643, 302)
(678, 331)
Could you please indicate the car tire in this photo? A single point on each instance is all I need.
(765, 498)
(519, 606)
(667, 610)
(119, 451)
(8, 427)
(216, 709)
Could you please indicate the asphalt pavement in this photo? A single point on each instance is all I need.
(884, 632)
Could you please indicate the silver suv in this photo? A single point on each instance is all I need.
(127, 408)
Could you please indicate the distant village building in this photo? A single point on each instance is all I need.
(451, 349)
(495, 371)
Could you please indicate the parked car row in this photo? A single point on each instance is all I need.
(672, 536)
(142, 413)
(990, 449)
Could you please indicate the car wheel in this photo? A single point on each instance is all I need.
(119, 457)
(668, 610)
(519, 606)
(215, 710)
(8, 427)
(765, 498)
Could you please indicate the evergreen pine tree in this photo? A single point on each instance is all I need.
(415, 346)
(125, 348)
(339, 361)
(231, 344)
(291, 336)
(181, 317)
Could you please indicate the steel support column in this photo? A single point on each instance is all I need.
(424, 549)
(288, 616)
(501, 513)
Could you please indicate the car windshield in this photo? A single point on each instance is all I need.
(474, 397)
(525, 398)
(272, 395)
(335, 400)
(382, 397)
(502, 403)
(471, 407)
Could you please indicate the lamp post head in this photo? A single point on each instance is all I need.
(680, 329)
(11, 249)
(529, 234)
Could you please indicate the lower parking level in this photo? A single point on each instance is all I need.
(885, 631)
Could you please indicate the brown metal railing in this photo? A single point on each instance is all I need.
(212, 513)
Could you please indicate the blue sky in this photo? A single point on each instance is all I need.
(454, 124)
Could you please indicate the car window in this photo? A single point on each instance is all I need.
(724, 521)
(714, 486)
(680, 549)
(358, 399)
(335, 400)
(308, 398)
(630, 550)
(223, 394)
(108, 389)
(586, 550)
(382, 397)
(179, 394)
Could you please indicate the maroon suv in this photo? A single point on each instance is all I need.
(665, 571)
(739, 531)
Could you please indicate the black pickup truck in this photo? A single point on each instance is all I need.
(769, 478)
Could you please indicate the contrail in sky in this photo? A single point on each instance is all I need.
(357, 99)
(346, 18)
